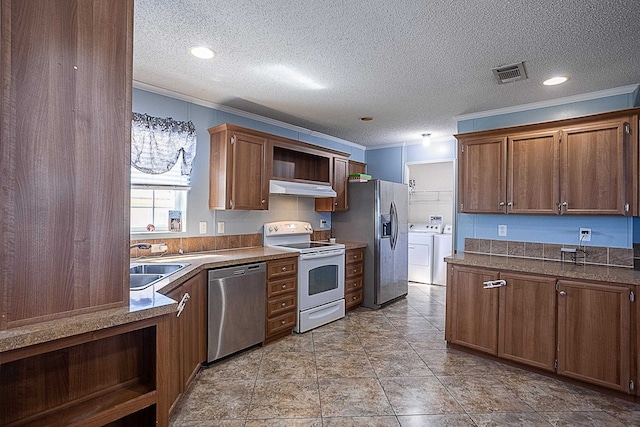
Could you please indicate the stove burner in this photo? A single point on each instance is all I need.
(308, 245)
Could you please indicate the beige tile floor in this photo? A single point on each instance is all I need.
(386, 368)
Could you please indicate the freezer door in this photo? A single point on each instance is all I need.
(401, 252)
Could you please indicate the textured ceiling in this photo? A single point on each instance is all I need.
(412, 65)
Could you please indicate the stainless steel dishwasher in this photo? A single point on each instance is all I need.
(236, 311)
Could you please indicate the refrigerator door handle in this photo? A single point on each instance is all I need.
(394, 226)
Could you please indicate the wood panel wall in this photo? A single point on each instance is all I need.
(64, 157)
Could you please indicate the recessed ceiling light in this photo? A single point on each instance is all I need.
(366, 119)
(555, 80)
(202, 52)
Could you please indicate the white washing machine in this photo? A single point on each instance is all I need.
(421, 251)
(442, 247)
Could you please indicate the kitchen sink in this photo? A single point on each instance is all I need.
(144, 275)
(163, 269)
(141, 281)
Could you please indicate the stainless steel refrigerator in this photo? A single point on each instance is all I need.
(377, 216)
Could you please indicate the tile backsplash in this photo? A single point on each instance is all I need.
(210, 243)
(598, 255)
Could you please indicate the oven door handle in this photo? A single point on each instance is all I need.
(323, 254)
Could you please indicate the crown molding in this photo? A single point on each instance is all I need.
(197, 101)
(623, 90)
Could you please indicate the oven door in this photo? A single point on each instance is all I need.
(320, 278)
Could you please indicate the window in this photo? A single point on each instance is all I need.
(151, 202)
(162, 152)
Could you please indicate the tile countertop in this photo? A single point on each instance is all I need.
(144, 304)
(567, 270)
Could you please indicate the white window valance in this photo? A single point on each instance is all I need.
(156, 144)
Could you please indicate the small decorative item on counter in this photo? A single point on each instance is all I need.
(175, 221)
(359, 177)
(151, 227)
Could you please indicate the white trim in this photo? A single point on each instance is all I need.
(161, 187)
(550, 103)
(187, 98)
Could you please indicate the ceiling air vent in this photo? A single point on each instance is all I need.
(510, 73)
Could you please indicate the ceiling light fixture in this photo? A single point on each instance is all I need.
(555, 80)
(426, 139)
(202, 52)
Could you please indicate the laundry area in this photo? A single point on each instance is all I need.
(431, 219)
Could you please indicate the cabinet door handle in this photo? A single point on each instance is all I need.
(562, 293)
(510, 204)
(501, 203)
(494, 284)
(283, 322)
(263, 201)
(182, 303)
(284, 286)
(284, 304)
(284, 268)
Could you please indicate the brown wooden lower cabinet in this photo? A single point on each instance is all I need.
(112, 376)
(593, 333)
(519, 321)
(188, 335)
(353, 278)
(527, 320)
(474, 310)
(282, 285)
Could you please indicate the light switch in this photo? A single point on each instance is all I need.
(203, 227)
(220, 227)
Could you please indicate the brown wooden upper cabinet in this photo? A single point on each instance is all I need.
(339, 184)
(579, 166)
(237, 176)
(482, 174)
(243, 161)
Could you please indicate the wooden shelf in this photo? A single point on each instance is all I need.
(94, 379)
(98, 410)
(297, 165)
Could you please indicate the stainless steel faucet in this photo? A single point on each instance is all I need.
(141, 246)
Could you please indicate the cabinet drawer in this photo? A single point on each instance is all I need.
(282, 268)
(353, 270)
(280, 287)
(354, 255)
(353, 299)
(353, 284)
(281, 305)
(278, 324)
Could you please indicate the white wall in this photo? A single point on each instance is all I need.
(433, 193)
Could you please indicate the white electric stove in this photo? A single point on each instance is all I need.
(320, 272)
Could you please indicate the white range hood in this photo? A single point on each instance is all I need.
(300, 189)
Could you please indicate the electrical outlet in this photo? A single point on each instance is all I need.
(585, 235)
(502, 230)
(203, 227)
(220, 227)
(323, 224)
(160, 247)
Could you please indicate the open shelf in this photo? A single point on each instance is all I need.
(298, 165)
(99, 410)
(87, 383)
